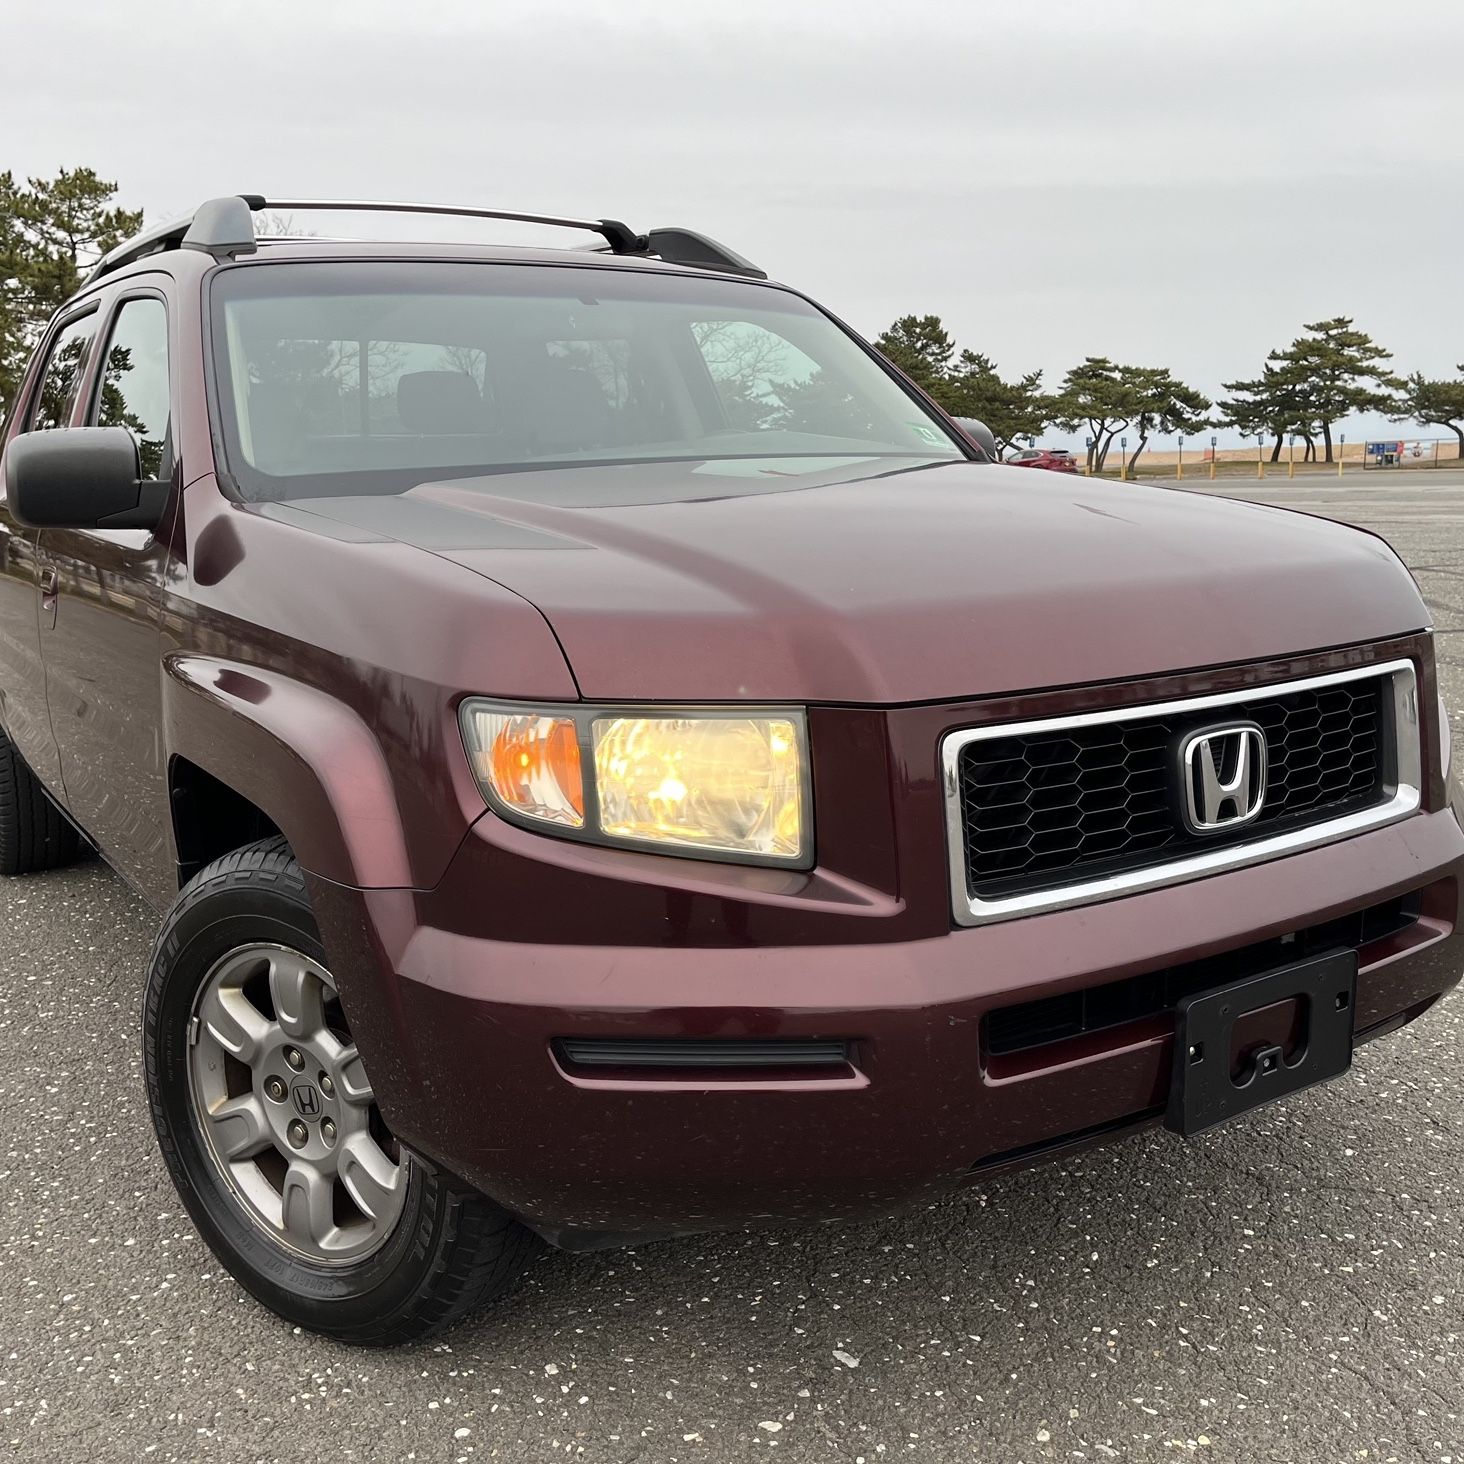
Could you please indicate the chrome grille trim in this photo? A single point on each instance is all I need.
(1403, 788)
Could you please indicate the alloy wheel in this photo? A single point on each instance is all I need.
(286, 1111)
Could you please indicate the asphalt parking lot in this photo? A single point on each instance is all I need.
(1291, 1289)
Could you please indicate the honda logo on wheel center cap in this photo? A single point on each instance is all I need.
(1223, 775)
(306, 1100)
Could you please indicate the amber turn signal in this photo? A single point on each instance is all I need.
(529, 763)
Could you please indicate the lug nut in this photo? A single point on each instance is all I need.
(327, 1130)
(326, 1086)
(297, 1134)
(295, 1058)
(275, 1088)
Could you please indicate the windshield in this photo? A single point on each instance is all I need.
(362, 377)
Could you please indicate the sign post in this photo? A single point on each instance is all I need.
(1123, 459)
(1341, 452)
(1179, 472)
(1260, 455)
(1291, 460)
(1213, 441)
(1088, 460)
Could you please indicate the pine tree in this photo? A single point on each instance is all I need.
(921, 347)
(1437, 403)
(51, 232)
(1342, 371)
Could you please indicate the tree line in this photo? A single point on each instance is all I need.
(53, 229)
(1304, 390)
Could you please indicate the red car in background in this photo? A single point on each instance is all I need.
(1058, 459)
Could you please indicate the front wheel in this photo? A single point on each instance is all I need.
(271, 1131)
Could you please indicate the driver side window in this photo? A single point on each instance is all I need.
(133, 388)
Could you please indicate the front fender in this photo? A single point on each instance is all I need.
(310, 763)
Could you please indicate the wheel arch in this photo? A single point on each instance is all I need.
(210, 818)
(270, 753)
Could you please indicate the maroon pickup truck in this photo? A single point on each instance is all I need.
(612, 759)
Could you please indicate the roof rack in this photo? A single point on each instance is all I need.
(224, 227)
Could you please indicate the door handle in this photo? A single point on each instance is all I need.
(50, 582)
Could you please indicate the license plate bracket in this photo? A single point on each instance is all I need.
(1207, 1089)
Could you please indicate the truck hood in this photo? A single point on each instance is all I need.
(859, 580)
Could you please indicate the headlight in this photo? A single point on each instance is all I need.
(727, 784)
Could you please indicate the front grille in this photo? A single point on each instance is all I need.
(1043, 808)
(1035, 1024)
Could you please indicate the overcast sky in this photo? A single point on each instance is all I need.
(1167, 182)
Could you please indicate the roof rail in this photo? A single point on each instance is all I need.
(686, 246)
(150, 241)
(621, 238)
(224, 227)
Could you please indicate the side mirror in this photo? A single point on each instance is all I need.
(81, 478)
(981, 435)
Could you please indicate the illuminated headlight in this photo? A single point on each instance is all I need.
(727, 784)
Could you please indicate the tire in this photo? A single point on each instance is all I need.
(239, 948)
(34, 834)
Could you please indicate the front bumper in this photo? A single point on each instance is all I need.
(457, 1027)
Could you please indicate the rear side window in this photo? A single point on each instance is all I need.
(61, 378)
(133, 392)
